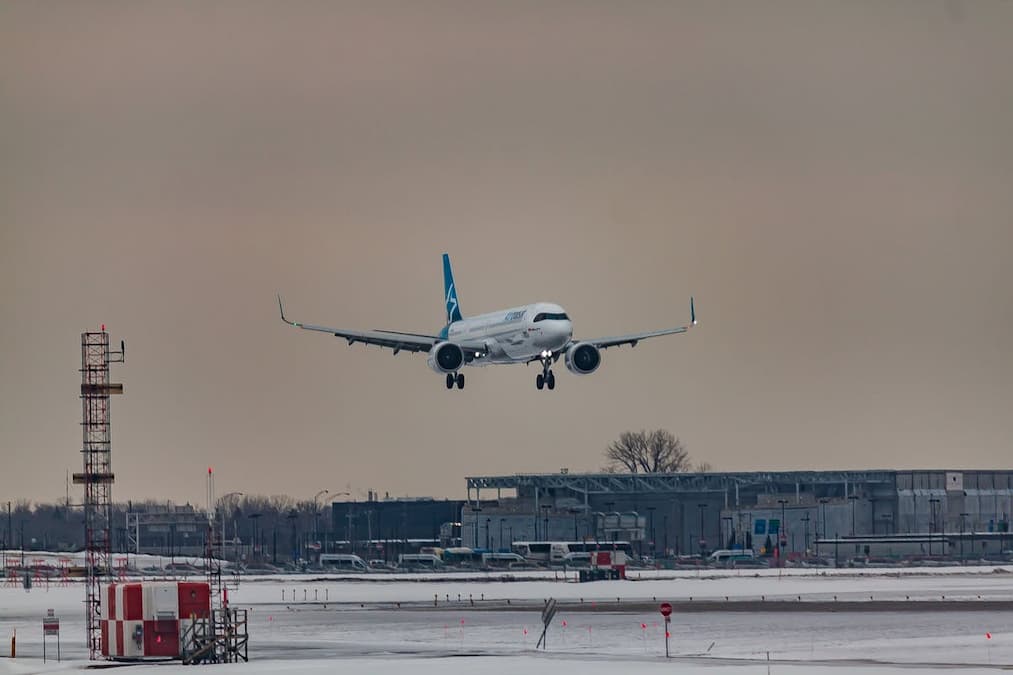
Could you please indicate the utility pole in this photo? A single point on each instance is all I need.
(782, 535)
(962, 517)
(703, 539)
(853, 498)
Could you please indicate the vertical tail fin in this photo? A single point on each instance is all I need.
(450, 292)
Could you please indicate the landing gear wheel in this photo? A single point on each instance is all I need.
(450, 380)
(550, 380)
(540, 381)
(460, 380)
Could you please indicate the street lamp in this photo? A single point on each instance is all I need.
(821, 527)
(853, 499)
(293, 517)
(334, 495)
(253, 524)
(475, 511)
(545, 520)
(501, 521)
(703, 539)
(487, 521)
(932, 523)
(221, 504)
(962, 516)
(316, 515)
(783, 537)
(654, 547)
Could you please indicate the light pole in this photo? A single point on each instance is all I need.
(253, 525)
(782, 535)
(805, 520)
(293, 517)
(334, 495)
(727, 536)
(487, 521)
(703, 539)
(821, 527)
(654, 547)
(853, 499)
(545, 520)
(605, 520)
(501, 521)
(932, 523)
(221, 505)
(316, 515)
(475, 511)
(962, 516)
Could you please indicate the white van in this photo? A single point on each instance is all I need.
(425, 561)
(577, 559)
(730, 557)
(345, 562)
(501, 559)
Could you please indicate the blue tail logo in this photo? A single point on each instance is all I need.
(450, 292)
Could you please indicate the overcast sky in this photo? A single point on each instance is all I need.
(833, 181)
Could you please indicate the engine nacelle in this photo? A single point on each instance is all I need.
(446, 357)
(583, 358)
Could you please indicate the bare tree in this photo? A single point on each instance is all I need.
(647, 452)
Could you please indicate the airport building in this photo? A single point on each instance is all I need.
(880, 512)
(395, 525)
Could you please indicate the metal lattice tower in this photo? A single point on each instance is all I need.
(97, 476)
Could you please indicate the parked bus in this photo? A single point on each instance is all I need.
(555, 552)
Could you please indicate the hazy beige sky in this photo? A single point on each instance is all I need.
(832, 180)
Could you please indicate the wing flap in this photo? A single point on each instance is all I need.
(397, 341)
(633, 338)
(409, 342)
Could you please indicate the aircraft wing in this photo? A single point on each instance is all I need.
(408, 342)
(633, 338)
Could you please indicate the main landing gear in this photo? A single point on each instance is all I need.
(453, 379)
(546, 377)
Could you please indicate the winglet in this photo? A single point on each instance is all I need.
(281, 310)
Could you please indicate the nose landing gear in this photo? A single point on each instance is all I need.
(546, 378)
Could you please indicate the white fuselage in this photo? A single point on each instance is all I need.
(515, 335)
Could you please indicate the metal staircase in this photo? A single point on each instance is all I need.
(220, 638)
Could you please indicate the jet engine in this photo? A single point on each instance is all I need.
(446, 357)
(583, 358)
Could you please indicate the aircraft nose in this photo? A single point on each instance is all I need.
(566, 332)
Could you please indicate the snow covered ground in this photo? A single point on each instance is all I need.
(357, 625)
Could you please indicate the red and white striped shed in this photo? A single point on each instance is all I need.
(145, 620)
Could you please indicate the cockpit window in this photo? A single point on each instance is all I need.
(551, 317)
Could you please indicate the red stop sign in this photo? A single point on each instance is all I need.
(666, 609)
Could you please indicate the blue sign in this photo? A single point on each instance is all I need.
(760, 526)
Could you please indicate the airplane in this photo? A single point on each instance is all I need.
(541, 332)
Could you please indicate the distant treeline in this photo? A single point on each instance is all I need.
(57, 527)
